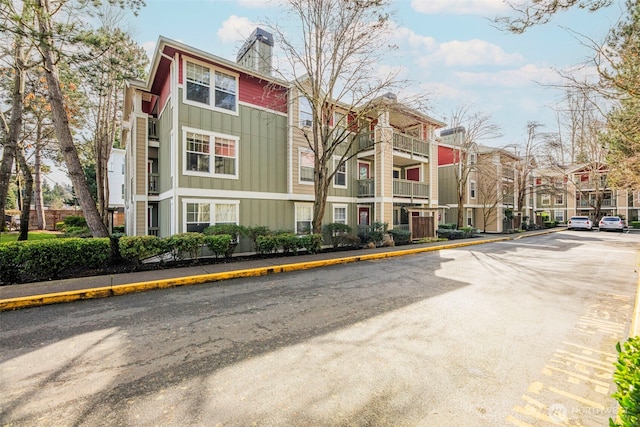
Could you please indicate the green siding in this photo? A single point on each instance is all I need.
(164, 216)
(447, 193)
(262, 150)
(164, 151)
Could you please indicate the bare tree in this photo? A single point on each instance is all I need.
(488, 185)
(336, 70)
(538, 12)
(474, 127)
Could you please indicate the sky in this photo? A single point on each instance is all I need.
(449, 49)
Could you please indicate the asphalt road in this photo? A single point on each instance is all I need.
(512, 333)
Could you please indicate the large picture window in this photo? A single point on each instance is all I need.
(199, 87)
(198, 159)
(201, 214)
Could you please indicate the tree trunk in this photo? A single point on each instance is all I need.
(25, 208)
(37, 191)
(63, 130)
(14, 127)
(320, 201)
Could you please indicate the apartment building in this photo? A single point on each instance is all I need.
(212, 141)
(489, 179)
(582, 190)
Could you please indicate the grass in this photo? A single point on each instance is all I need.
(12, 236)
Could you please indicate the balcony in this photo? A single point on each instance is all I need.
(152, 126)
(606, 203)
(365, 141)
(366, 187)
(410, 145)
(413, 189)
(154, 183)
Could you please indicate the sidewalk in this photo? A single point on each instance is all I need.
(14, 297)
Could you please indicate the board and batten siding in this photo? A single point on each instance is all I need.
(262, 148)
(164, 151)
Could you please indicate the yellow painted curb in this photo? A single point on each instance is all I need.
(115, 290)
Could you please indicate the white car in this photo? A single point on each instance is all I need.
(609, 223)
(579, 223)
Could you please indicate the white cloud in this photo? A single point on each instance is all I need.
(523, 76)
(416, 41)
(236, 29)
(473, 52)
(459, 7)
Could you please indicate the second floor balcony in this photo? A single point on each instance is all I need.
(401, 143)
(401, 188)
(606, 203)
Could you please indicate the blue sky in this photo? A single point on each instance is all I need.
(449, 48)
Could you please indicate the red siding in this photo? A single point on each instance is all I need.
(257, 92)
(165, 93)
(446, 155)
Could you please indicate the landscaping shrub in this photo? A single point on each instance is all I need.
(254, 232)
(451, 234)
(635, 224)
(183, 244)
(550, 224)
(627, 379)
(375, 233)
(266, 244)
(449, 226)
(138, 248)
(9, 266)
(220, 245)
(468, 231)
(75, 221)
(311, 242)
(74, 231)
(400, 237)
(288, 242)
(233, 230)
(118, 229)
(336, 232)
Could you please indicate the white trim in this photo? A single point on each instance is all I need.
(260, 107)
(255, 195)
(473, 189)
(212, 85)
(211, 154)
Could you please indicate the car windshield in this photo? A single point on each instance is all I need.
(611, 218)
(579, 218)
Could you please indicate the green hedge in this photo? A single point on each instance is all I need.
(627, 379)
(341, 235)
(46, 259)
(400, 237)
(288, 243)
(635, 224)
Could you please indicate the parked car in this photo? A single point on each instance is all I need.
(609, 223)
(579, 223)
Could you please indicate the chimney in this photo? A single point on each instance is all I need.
(256, 52)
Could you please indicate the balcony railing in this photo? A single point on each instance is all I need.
(365, 141)
(153, 231)
(152, 125)
(154, 183)
(406, 188)
(607, 203)
(410, 145)
(366, 187)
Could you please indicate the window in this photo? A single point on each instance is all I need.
(559, 216)
(201, 214)
(198, 216)
(225, 156)
(306, 166)
(304, 216)
(472, 159)
(198, 87)
(122, 168)
(545, 199)
(198, 159)
(198, 83)
(340, 214)
(559, 199)
(469, 218)
(340, 177)
(472, 189)
(306, 112)
(197, 146)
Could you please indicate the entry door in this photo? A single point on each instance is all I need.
(363, 216)
(364, 171)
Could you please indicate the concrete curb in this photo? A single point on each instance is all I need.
(116, 290)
